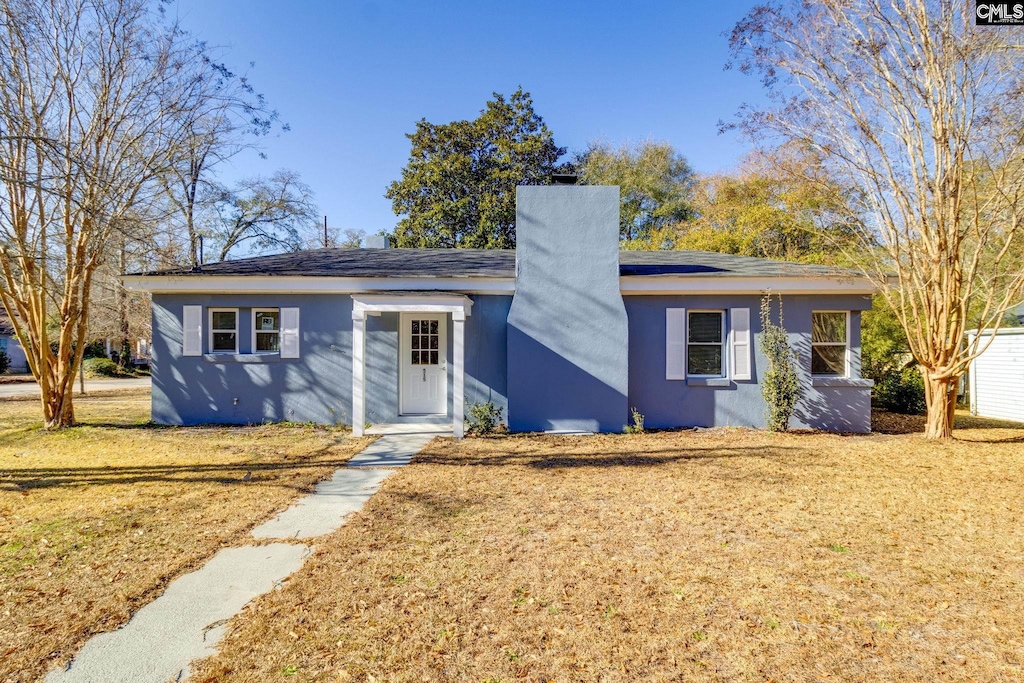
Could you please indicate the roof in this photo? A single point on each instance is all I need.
(493, 263)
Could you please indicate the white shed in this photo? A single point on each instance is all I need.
(997, 376)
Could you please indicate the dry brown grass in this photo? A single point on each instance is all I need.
(727, 555)
(96, 520)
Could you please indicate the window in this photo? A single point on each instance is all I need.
(3, 344)
(704, 339)
(266, 330)
(425, 339)
(829, 342)
(224, 330)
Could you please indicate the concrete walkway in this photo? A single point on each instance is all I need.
(32, 389)
(190, 617)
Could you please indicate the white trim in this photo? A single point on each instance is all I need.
(237, 330)
(633, 285)
(722, 343)
(290, 337)
(301, 284)
(191, 331)
(458, 305)
(740, 348)
(458, 377)
(358, 376)
(630, 285)
(404, 347)
(675, 343)
(845, 344)
(256, 331)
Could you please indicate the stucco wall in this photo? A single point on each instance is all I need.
(16, 354)
(567, 331)
(317, 386)
(672, 403)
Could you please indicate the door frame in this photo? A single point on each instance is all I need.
(404, 346)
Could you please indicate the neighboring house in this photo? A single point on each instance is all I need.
(566, 333)
(997, 376)
(10, 345)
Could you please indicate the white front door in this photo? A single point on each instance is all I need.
(424, 364)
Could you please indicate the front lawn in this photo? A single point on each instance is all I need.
(96, 520)
(715, 555)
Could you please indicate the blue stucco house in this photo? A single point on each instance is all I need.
(566, 333)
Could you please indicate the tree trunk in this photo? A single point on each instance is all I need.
(124, 360)
(940, 397)
(58, 406)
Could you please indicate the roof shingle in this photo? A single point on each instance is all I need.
(493, 263)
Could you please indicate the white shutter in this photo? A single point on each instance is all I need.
(191, 330)
(289, 333)
(675, 343)
(739, 335)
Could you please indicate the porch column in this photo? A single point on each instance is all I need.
(358, 372)
(458, 373)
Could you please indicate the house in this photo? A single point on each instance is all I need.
(566, 333)
(10, 345)
(996, 376)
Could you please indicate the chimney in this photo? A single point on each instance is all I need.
(568, 338)
(376, 242)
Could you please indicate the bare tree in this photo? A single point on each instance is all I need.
(226, 117)
(921, 110)
(95, 98)
(265, 214)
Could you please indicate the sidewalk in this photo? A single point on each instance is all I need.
(32, 389)
(190, 617)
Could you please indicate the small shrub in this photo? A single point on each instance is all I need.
(780, 385)
(101, 367)
(638, 423)
(5, 362)
(901, 391)
(483, 418)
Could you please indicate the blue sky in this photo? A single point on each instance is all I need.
(352, 78)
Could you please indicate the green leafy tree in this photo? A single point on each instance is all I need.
(656, 185)
(458, 187)
(778, 205)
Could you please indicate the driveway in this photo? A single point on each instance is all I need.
(32, 389)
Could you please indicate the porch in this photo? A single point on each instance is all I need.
(430, 367)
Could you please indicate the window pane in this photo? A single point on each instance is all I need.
(267, 341)
(704, 360)
(415, 341)
(223, 341)
(433, 327)
(224, 320)
(415, 326)
(433, 357)
(415, 357)
(433, 341)
(828, 327)
(828, 360)
(267, 320)
(705, 327)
